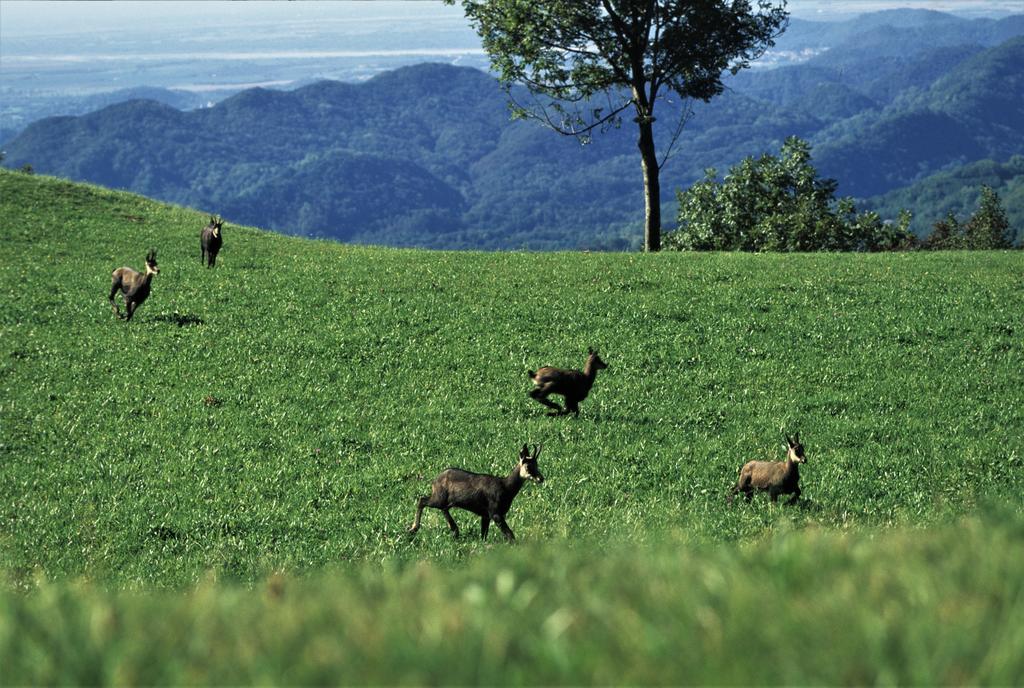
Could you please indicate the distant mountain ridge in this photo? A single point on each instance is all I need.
(974, 112)
(427, 156)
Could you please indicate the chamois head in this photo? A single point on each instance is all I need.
(594, 361)
(796, 450)
(528, 464)
(151, 266)
(216, 223)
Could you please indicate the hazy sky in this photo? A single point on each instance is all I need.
(21, 17)
(813, 9)
(27, 17)
(93, 46)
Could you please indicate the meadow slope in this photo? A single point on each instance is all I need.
(279, 415)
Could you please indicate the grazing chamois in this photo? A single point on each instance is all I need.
(487, 496)
(134, 285)
(574, 385)
(775, 477)
(210, 241)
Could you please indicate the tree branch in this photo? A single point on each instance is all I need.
(540, 112)
(685, 116)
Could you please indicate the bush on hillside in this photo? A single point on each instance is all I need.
(779, 204)
(987, 229)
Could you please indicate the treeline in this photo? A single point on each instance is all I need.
(780, 203)
(957, 191)
(986, 229)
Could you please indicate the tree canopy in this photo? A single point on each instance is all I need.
(584, 63)
(779, 204)
(988, 228)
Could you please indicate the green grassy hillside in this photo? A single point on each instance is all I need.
(281, 413)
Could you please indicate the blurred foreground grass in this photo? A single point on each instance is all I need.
(908, 607)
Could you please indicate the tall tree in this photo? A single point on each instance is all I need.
(586, 62)
(989, 227)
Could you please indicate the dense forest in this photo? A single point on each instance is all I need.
(900, 106)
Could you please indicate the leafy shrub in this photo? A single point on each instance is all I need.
(779, 204)
(987, 229)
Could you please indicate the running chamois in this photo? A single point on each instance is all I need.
(134, 285)
(573, 385)
(487, 496)
(774, 477)
(210, 241)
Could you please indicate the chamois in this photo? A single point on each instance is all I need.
(574, 385)
(210, 241)
(134, 285)
(487, 496)
(775, 477)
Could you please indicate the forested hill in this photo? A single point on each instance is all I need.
(423, 155)
(958, 191)
(427, 155)
(974, 112)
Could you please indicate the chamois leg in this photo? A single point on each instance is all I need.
(572, 406)
(499, 520)
(213, 259)
(541, 395)
(748, 493)
(795, 497)
(732, 493)
(742, 485)
(420, 504)
(485, 524)
(452, 525)
(130, 308)
(202, 254)
(113, 291)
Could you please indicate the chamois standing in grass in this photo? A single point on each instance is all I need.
(573, 385)
(134, 285)
(210, 241)
(487, 496)
(774, 477)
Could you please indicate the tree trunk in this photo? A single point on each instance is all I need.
(652, 185)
